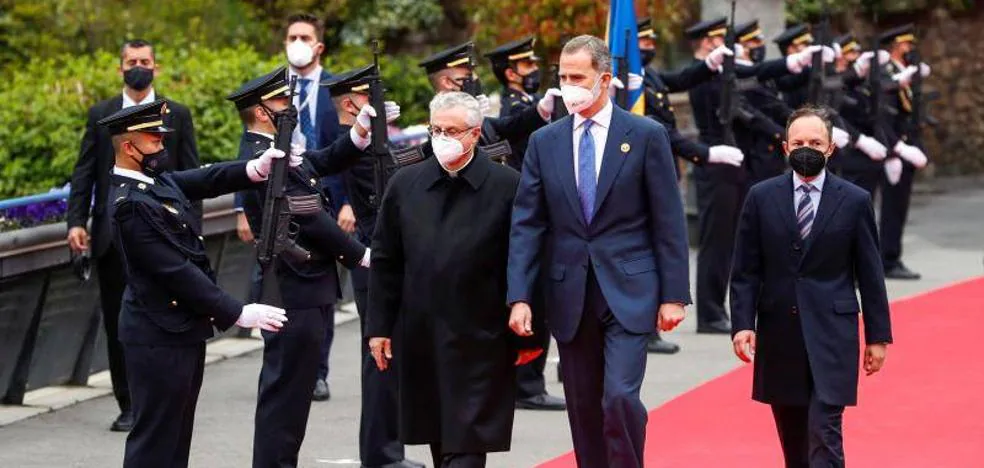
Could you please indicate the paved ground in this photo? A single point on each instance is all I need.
(943, 242)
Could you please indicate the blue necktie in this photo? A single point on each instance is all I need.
(307, 127)
(587, 184)
(804, 212)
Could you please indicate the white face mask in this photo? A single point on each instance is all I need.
(576, 98)
(300, 54)
(446, 149)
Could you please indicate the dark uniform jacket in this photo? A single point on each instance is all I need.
(314, 282)
(438, 288)
(513, 103)
(903, 125)
(799, 295)
(658, 87)
(858, 114)
(171, 297)
(95, 165)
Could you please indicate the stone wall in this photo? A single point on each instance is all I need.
(951, 45)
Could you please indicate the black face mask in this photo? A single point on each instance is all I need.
(757, 54)
(153, 164)
(806, 161)
(138, 78)
(531, 82)
(910, 57)
(647, 56)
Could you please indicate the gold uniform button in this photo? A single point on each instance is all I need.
(122, 185)
(174, 303)
(201, 238)
(142, 186)
(659, 95)
(314, 182)
(183, 225)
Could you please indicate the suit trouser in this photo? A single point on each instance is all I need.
(603, 367)
(379, 442)
(811, 435)
(111, 285)
(165, 384)
(894, 213)
(720, 203)
(456, 460)
(290, 367)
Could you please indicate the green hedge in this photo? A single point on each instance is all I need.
(46, 100)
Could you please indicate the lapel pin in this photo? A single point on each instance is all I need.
(626, 147)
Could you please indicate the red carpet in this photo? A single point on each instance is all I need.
(924, 409)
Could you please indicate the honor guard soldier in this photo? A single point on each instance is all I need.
(309, 287)
(454, 70)
(794, 88)
(171, 301)
(516, 66)
(379, 444)
(903, 68)
(658, 87)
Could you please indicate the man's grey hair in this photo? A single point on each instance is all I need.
(453, 99)
(601, 58)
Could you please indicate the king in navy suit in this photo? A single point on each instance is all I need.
(599, 213)
(805, 240)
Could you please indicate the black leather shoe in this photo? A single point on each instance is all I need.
(721, 327)
(405, 463)
(321, 392)
(899, 271)
(661, 346)
(123, 423)
(542, 402)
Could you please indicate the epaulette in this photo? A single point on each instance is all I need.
(122, 194)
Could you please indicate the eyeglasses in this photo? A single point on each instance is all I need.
(449, 132)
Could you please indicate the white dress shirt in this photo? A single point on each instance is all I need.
(599, 131)
(131, 174)
(311, 104)
(128, 102)
(817, 184)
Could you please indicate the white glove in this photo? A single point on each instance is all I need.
(263, 316)
(635, 82)
(863, 64)
(548, 102)
(870, 146)
(724, 154)
(297, 149)
(793, 63)
(483, 103)
(364, 119)
(739, 50)
(392, 111)
(259, 169)
(838, 53)
(893, 170)
(924, 69)
(715, 59)
(829, 54)
(840, 137)
(905, 76)
(910, 153)
(615, 86)
(365, 258)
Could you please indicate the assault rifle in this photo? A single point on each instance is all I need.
(729, 99)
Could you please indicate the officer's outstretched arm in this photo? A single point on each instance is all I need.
(213, 180)
(518, 126)
(321, 233)
(148, 242)
(338, 156)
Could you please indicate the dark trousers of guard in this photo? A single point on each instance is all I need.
(165, 381)
(111, 284)
(603, 366)
(894, 213)
(379, 443)
(290, 367)
(720, 194)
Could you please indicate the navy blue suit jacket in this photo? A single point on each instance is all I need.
(799, 295)
(636, 241)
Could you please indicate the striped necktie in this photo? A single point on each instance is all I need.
(805, 211)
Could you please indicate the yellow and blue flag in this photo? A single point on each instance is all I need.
(622, 38)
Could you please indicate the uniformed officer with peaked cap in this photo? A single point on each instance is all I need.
(171, 301)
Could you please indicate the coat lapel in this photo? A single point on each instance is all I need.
(564, 162)
(613, 157)
(784, 199)
(830, 200)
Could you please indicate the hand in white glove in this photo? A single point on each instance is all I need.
(912, 154)
(615, 86)
(893, 170)
(365, 258)
(263, 316)
(924, 69)
(863, 63)
(829, 54)
(838, 53)
(724, 154)
(635, 82)
(548, 102)
(715, 59)
(884, 57)
(870, 146)
(905, 76)
(840, 137)
(392, 111)
(259, 169)
(483, 103)
(297, 150)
